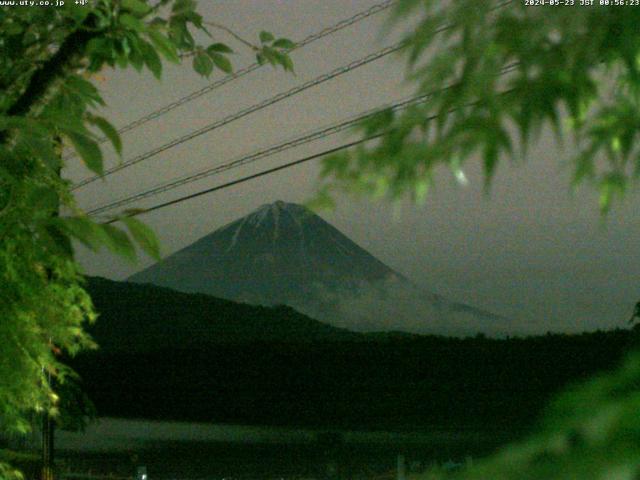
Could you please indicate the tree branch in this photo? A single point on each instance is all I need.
(50, 71)
(232, 33)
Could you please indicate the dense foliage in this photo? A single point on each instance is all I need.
(590, 432)
(48, 103)
(495, 75)
(201, 358)
(559, 60)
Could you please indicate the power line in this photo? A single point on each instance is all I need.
(321, 133)
(311, 157)
(255, 175)
(250, 158)
(281, 96)
(325, 32)
(274, 169)
(254, 66)
(250, 177)
(274, 149)
(247, 111)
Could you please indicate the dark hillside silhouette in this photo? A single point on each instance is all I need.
(136, 318)
(258, 365)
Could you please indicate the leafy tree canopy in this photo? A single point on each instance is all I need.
(48, 102)
(495, 73)
(557, 59)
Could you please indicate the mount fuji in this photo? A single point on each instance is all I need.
(282, 253)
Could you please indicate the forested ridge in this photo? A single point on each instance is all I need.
(330, 378)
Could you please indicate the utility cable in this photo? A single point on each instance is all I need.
(272, 150)
(269, 171)
(325, 32)
(252, 157)
(246, 111)
(249, 177)
(379, 7)
(283, 95)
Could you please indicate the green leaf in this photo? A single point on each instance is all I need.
(136, 6)
(56, 240)
(284, 43)
(124, 49)
(100, 50)
(183, 6)
(83, 229)
(122, 61)
(119, 242)
(270, 55)
(222, 62)
(490, 155)
(282, 59)
(165, 46)
(196, 19)
(218, 48)
(151, 58)
(21, 123)
(88, 150)
(158, 22)
(135, 57)
(85, 89)
(44, 199)
(287, 63)
(144, 236)
(180, 35)
(100, 46)
(11, 29)
(266, 37)
(202, 64)
(612, 184)
(42, 148)
(64, 117)
(109, 131)
(132, 23)
(323, 200)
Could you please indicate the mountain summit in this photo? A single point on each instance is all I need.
(279, 251)
(282, 253)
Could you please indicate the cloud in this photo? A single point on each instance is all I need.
(396, 304)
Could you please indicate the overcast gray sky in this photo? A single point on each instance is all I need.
(531, 250)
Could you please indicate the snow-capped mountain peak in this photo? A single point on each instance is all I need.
(283, 253)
